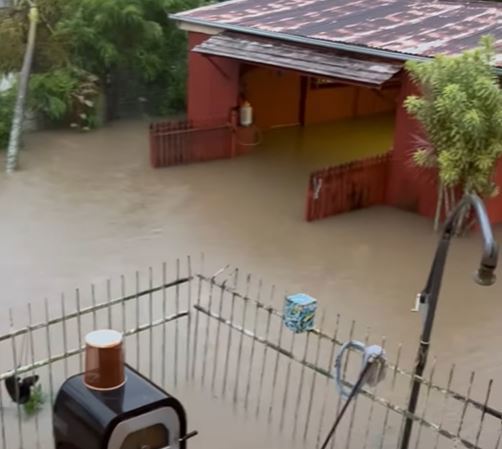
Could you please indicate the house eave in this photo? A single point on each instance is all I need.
(196, 28)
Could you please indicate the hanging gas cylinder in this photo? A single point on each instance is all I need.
(246, 114)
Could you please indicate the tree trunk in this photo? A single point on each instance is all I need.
(448, 202)
(461, 226)
(24, 77)
(453, 198)
(439, 205)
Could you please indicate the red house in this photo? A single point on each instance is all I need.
(300, 62)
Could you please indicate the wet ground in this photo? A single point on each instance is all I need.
(85, 207)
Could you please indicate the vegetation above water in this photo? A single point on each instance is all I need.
(36, 401)
(460, 109)
(7, 99)
(82, 45)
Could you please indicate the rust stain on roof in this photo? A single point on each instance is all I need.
(414, 27)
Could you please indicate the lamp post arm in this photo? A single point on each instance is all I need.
(489, 257)
(430, 294)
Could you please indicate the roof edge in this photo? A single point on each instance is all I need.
(355, 48)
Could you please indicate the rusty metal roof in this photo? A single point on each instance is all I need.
(323, 62)
(411, 27)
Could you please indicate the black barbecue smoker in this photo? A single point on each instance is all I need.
(112, 406)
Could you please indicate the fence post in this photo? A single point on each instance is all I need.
(153, 147)
(233, 133)
(385, 176)
(310, 199)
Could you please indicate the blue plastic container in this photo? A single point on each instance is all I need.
(299, 312)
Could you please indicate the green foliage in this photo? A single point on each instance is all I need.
(175, 53)
(51, 93)
(99, 38)
(65, 94)
(12, 30)
(7, 100)
(137, 36)
(176, 87)
(461, 112)
(103, 34)
(36, 401)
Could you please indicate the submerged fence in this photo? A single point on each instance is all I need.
(346, 187)
(183, 142)
(217, 342)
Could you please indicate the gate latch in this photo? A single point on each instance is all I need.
(317, 187)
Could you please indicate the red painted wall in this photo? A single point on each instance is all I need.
(213, 84)
(494, 205)
(409, 187)
(413, 188)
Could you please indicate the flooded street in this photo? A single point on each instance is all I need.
(86, 207)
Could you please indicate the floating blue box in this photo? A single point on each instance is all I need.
(299, 312)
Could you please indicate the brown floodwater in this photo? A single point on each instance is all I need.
(85, 207)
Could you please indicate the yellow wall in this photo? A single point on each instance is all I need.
(325, 105)
(274, 96)
(371, 101)
(329, 104)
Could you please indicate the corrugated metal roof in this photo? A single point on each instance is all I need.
(419, 28)
(320, 62)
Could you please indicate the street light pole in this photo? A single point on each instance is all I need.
(429, 296)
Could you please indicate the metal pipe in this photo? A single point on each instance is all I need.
(342, 46)
(430, 294)
(352, 395)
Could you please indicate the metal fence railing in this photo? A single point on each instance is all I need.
(217, 343)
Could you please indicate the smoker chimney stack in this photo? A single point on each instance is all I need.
(104, 360)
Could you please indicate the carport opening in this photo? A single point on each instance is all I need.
(323, 121)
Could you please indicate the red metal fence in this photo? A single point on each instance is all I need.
(346, 187)
(180, 142)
